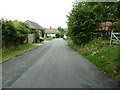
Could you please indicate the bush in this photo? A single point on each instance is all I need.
(57, 35)
(102, 55)
(62, 35)
(82, 24)
(85, 18)
(13, 32)
(37, 37)
(115, 26)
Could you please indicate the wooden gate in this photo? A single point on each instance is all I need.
(115, 38)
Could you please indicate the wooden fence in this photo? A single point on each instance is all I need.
(31, 38)
(104, 34)
(115, 38)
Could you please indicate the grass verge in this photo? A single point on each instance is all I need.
(39, 42)
(99, 52)
(48, 39)
(10, 53)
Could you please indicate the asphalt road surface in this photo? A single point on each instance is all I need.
(53, 65)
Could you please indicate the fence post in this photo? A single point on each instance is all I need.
(111, 38)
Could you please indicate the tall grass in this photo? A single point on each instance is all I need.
(48, 38)
(10, 53)
(102, 55)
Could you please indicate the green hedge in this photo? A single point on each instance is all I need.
(13, 32)
(86, 17)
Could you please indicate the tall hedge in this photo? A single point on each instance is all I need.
(13, 32)
(37, 36)
(86, 17)
(57, 35)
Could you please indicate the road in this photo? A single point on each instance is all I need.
(53, 65)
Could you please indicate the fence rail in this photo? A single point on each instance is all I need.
(115, 38)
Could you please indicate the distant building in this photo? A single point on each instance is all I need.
(105, 31)
(33, 28)
(36, 27)
(105, 26)
(51, 32)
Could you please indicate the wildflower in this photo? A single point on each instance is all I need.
(93, 53)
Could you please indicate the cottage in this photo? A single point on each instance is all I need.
(104, 31)
(105, 26)
(51, 32)
(35, 27)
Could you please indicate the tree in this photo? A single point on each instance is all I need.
(8, 32)
(57, 35)
(22, 30)
(62, 31)
(80, 23)
(62, 35)
(13, 33)
(86, 17)
(37, 36)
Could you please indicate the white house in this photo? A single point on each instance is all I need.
(51, 32)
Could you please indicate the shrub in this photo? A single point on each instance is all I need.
(82, 24)
(85, 19)
(37, 36)
(13, 32)
(62, 35)
(57, 35)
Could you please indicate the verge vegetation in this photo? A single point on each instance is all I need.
(48, 39)
(10, 53)
(86, 18)
(14, 33)
(99, 52)
(84, 22)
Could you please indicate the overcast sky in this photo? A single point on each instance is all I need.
(44, 12)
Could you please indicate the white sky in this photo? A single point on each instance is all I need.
(44, 12)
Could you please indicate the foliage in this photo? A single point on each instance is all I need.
(62, 31)
(48, 39)
(10, 53)
(102, 55)
(86, 17)
(106, 11)
(83, 21)
(13, 32)
(80, 24)
(115, 26)
(0, 24)
(37, 36)
(43, 32)
(22, 30)
(62, 35)
(57, 35)
(32, 29)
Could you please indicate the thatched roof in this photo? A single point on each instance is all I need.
(105, 25)
(34, 25)
(51, 31)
